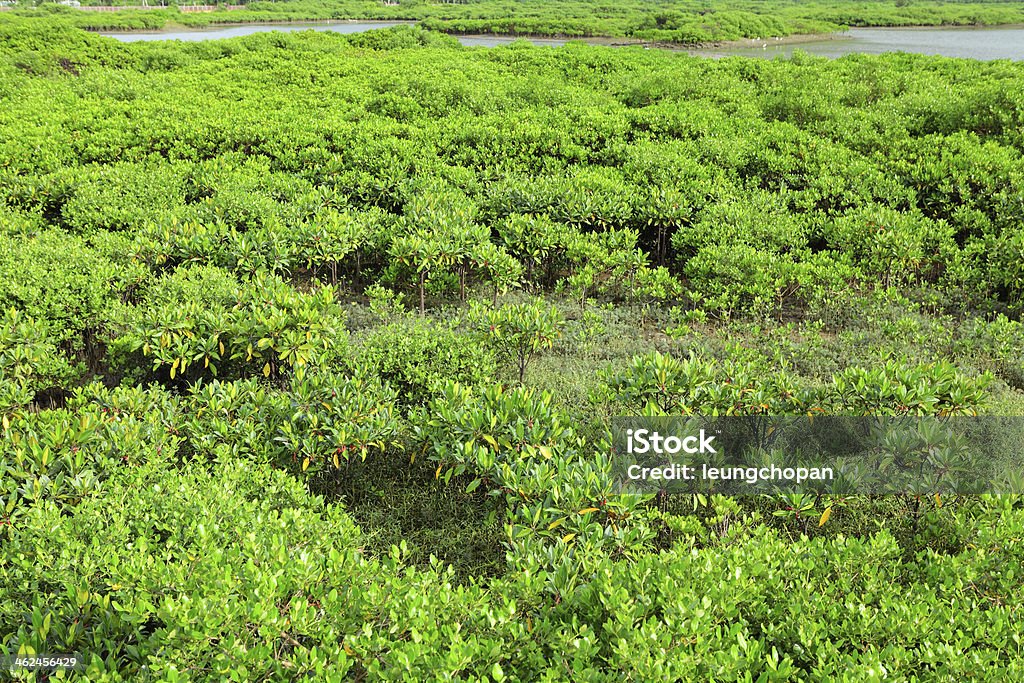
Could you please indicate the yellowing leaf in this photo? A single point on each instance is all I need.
(305, 464)
(568, 537)
(938, 500)
(556, 523)
(824, 516)
(586, 510)
(266, 370)
(437, 475)
(221, 344)
(490, 439)
(336, 463)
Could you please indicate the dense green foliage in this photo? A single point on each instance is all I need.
(309, 343)
(677, 21)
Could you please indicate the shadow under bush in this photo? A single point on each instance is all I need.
(394, 500)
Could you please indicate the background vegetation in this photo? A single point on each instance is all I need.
(309, 345)
(677, 21)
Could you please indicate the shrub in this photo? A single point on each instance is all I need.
(200, 322)
(29, 362)
(658, 384)
(413, 357)
(895, 389)
(518, 332)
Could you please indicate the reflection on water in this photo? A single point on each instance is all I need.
(216, 32)
(973, 43)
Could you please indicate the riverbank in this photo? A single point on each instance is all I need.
(751, 43)
(718, 25)
(979, 43)
(174, 31)
(744, 43)
(171, 26)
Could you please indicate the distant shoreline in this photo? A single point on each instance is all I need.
(605, 41)
(609, 41)
(627, 41)
(795, 39)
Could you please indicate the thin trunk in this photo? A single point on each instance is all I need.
(423, 296)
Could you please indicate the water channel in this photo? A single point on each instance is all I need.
(973, 43)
